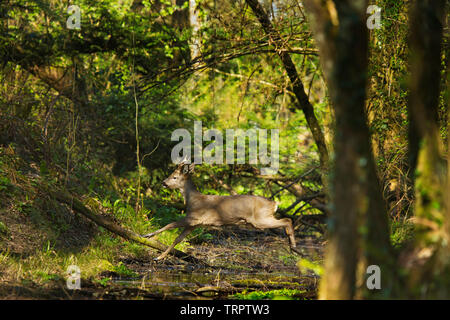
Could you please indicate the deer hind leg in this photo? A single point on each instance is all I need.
(176, 224)
(271, 222)
(183, 235)
(290, 232)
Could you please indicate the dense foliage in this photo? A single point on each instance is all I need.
(91, 111)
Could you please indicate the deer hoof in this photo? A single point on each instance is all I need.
(294, 249)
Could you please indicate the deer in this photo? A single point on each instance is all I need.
(215, 211)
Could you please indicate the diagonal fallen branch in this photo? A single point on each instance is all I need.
(79, 207)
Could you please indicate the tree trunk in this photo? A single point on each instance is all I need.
(341, 35)
(426, 22)
(194, 22)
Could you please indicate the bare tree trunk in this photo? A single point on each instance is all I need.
(195, 25)
(297, 85)
(341, 34)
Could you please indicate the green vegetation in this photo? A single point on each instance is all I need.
(89, 113)
(281, 294)
(402, 233)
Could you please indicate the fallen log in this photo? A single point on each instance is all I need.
(79, 207)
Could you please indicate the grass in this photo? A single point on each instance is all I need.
(48, 264)
(3, 229)
(123, 271)
(25, 204)
(103, 253)
(288, 259)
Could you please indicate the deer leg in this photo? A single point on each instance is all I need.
(290, 232)
(176, 224)
(183, 235)
(275, 223)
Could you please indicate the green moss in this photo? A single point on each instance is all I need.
(289, 259)
(402, 232)
(306, 265)
(281, 294)
(258, 282)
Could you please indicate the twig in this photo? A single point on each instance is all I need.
(225, 185)
(294, 181)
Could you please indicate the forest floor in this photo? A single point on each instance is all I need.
(242, 264)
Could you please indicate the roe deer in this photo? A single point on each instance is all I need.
(214, 210)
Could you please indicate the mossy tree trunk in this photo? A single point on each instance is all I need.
(79, 207)
(358, 226)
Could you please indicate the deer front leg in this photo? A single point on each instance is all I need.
(176, 224)
(183, 235)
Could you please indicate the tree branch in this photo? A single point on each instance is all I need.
(297, 85)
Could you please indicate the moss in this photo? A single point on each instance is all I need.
(281, 294)
(268, 283)
(402, 233)
(289, 259)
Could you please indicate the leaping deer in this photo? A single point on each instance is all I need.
(214, 210)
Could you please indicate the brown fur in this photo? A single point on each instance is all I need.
(214, 210)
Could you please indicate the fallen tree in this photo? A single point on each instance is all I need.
(79, 207)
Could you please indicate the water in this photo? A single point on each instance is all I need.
(222, 283)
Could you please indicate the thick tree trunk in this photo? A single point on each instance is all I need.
(426, 22)
(425, 42)
(297, 85)
(447, 217)
(341, 34)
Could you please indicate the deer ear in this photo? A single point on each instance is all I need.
(191, 167)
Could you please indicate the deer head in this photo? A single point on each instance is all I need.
(178, 178)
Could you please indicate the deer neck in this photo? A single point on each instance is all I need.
(189, 190)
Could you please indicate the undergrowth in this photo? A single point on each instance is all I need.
(26, 208)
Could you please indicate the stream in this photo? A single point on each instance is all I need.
(223, 284)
